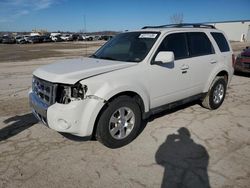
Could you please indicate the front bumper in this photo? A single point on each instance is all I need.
(77, 117)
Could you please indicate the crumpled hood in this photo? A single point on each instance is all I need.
(72, 70)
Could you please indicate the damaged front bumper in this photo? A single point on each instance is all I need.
(77, 117)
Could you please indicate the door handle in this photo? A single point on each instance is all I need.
(184, 67)
(213, 61)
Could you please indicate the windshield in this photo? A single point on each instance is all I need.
(131, 47)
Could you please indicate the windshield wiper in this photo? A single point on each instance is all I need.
(104, 57)
(94, 56)
(108, 58)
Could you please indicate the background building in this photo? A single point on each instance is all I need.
(235, 30)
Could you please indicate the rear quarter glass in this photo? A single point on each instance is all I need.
(221, 41)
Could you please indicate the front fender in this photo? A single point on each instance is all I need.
(108, 90)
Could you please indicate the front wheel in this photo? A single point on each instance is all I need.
(216, 94)
(119, 122)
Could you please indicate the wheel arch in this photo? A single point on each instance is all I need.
(133, 95)
(222, 73)
(138, 98)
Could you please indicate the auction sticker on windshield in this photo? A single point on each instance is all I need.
(148, 35)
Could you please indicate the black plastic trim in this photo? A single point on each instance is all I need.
(169, 106)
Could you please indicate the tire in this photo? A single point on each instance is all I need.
(216, 94)
(119, 123)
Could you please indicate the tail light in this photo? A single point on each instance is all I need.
(233, 59)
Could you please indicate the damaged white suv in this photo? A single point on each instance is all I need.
(134, 75)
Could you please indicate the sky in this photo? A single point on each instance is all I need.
(115, 15)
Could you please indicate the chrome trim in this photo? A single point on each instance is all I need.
(45, 90)
(39, 108)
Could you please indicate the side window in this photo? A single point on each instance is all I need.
(221, 42)
(175, 43)
(199, 44)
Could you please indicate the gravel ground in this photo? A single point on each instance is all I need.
(26, 52)
(188, 144)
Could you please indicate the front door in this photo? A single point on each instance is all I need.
(170, 82)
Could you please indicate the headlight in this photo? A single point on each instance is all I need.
(67, 93)
(78, 91)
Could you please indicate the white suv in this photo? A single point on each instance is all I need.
(134, 75)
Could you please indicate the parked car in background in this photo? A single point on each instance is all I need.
(84, 37)
(56, 38)
(80, 38)
(88, 38)
(26, 37)
(1, 39)
(33, 39)
(107, 37)
(46, 38)
(97, 37)
(242, 63)
(67, 37)
(20, 40)
(74, 37)
(8, 40)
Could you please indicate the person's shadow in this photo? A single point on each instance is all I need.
(185, 162)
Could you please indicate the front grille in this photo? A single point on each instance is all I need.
(45, 90)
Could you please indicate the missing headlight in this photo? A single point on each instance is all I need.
(78, 91)
(67, 93)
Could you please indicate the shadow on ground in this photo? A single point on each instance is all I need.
(77, 138)
(164, 113)
(185, 162)
(17, 124)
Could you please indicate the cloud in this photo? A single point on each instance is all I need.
(43, 4)
(14, 9)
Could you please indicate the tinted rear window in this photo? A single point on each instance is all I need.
(221, 41)
(199, 44)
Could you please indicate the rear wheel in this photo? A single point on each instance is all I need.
(216, 94)
(119, 123)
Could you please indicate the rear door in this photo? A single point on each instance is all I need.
(202, 60)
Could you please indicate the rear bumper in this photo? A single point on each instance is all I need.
(241, 69)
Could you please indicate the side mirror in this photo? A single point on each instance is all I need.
(165, 57)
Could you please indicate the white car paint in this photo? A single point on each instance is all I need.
(155, 84)
(72, 70)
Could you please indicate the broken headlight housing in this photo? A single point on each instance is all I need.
(68, 93)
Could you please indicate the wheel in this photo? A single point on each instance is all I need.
(216, 94)
(119, 122)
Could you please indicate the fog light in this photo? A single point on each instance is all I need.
(63, 124)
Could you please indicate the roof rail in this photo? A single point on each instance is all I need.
(194, 25)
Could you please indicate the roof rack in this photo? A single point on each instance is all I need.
(194, 25)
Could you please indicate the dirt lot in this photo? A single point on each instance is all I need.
(26, 52)
(31, 155)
